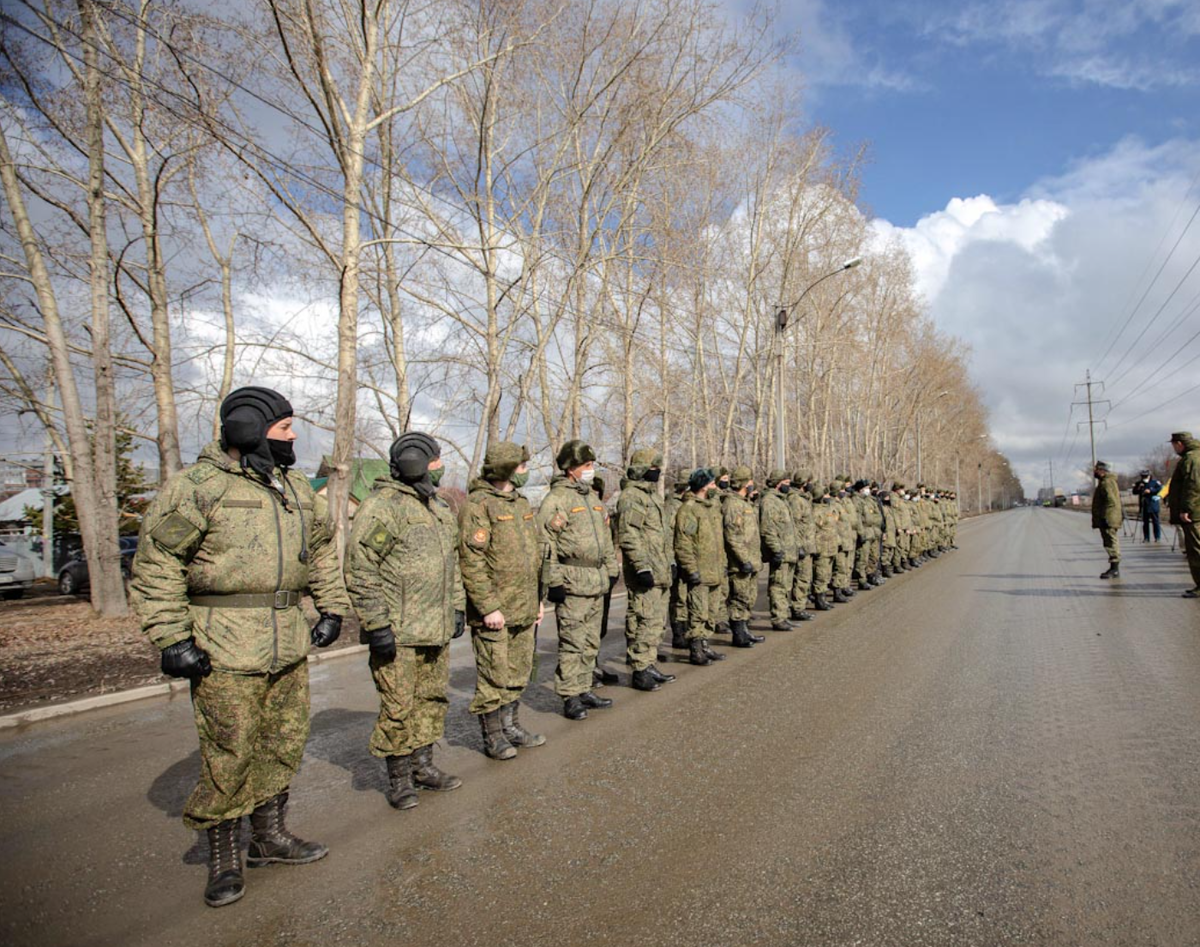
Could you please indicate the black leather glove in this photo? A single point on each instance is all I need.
(692, 578)
(382, 642)
(325, 632)
(747, 569)
(460, 624)
(644, 579)
(557, 594)
(776, 558)
(184, 659)
(674, 572)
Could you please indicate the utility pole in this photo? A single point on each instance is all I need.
(1091, 422)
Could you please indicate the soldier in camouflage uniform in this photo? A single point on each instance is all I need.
(826, 530)
(700, 557)
(843, 562)
(580, 569)
(800, 502)
(720, 604)
(226, 550)
(743, 554)
(1107, 516)
(500, 552)
(677, 605)
(870, 521)
(403, 578)
(779, 545)
(889, 534)
(642, 538)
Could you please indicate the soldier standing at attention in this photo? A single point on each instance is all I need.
(799, 499)
(642, 537)
(1183, 502)
(720, 605)
(500, 556)
(700, 555)
(826, 529)
(1107, 516)
(743, 552)
(780, 545)
(677, 604)
(404, 583)
(226, 549)
(580, 569)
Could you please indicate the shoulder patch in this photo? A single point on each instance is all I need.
(636, 519)
(557, 521)
(201, 472)
(689, 527)
(479, 537)
(175, 533)
(379, 539)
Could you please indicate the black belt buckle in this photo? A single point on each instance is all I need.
(287, 601)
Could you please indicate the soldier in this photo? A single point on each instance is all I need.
(889, 534)
(500, 556)
(799, 500)
(739, 522)
(642, 538)
(1107, 516)
(780, 545)
(847, 537)
(720, 605)
(1183, 502)
(869, 520)
(580, 569)
(826, 529)
(226, 550)
(678, 600)
(404, 582)
(700, 557)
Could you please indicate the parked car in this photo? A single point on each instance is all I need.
(16, 572)
(73, 577)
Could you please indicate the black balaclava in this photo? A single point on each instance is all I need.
(411, 454)
(246, 415)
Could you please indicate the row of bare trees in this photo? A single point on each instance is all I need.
(530, 219)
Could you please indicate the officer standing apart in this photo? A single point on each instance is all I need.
(1107, 516)
(642, 536)
(226, 549)
(1183, 502)
(500, 555)
(580, 569)
(403, 579)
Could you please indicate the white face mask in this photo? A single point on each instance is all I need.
(587, 476)
(865, 491)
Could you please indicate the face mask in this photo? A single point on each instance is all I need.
(652, 475)
(785, 488)
(435, 476)
(723, 484)
(519, 480)
(282, 452)
(865, 491)
(587, 476)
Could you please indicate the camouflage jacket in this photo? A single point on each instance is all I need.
(739, 522)
(402, 565)
(826, 527)
(699, 544)
(671, 505)
(642, 531)
(1106, 504)
(800, 503)
(575, 525)
(869, 517)
(1184, 494)
(776, 526)
(215, 530)
(888, 530)
(500, 553)
(847, 523)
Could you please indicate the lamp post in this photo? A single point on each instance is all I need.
(940, 394)
(979, 488)
(781, 323)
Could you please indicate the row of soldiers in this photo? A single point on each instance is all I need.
(229, 546)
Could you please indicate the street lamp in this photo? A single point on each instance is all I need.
(940, 394)
(781, 323)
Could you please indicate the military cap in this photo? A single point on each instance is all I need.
(246, 415)
(574, 453)
(859, 484)
(897, 487)
(1181, 436)
(700, 478)
(740, 476)
(777, 475)
(836, 486)
(502, 460)
(681, 486)
(411, 454)
(642, 462)
(1102, 465)
(801, 476)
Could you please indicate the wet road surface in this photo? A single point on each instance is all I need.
(996, 749)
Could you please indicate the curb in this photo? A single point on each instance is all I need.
(138, 693)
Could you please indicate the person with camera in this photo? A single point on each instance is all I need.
(1147, 488)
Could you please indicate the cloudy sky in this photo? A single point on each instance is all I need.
(1040, 160)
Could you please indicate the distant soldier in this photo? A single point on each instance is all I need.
(720, 604)
(826, 529)
(1107, 516)
(580, 569)
(780, 546)
(889, 534)
(1183, 502)
(677, 603)
(403, 578)
(700, 556)
(226, 550)
(500, 556)
(743, 555)
(642, 538)
(847, 538)
(870, 521)
(799, 499)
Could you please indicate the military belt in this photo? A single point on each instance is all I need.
(580, 563)
(284, 598)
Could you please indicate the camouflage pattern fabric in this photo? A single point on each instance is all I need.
(644, 615)
(503, 662)
(699, 546)
(700, 622)
(578, 620)
(412, 699)
(500, 555)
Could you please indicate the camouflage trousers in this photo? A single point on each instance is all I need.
(1191, 546)
(644, 614)
(779, 590)
(503, 663)
(1111, 537)
(822, 574)
(843, 563)
(700, 599)
(412, 699)
(578, 620)
(252, 730)
(862, 555)
(718, 603)
(802, 582)
(873, 557)
(743, 590)
(678, 604)
(889, 556)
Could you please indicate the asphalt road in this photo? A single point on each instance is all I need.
(996, 749)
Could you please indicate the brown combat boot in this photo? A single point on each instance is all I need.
(401, 793)
(495, 743)
(225, 881)
(270, 840)
(428, 776)
(513, 731)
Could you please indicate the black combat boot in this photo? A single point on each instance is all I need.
(887, 572)
(679, 635)
(781, 625)
(659, 676)
(427, 776)
(840, 597)
(848, 591)
(722, 628)
(697, 654)
(821, 603)
(495, 743)
(741, 635)
(225, 881)
(600, 677)
(712, 655)
(270, 840)
(401, 793)
(573, 709)
(802, 616)
(594, 701)
(513, 731)
(864, 585)
(643, 680)
(1114, 571)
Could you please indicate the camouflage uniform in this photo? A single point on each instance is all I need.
(826, 528)
(677, 605)
(700, 551)
(779, 541)
(642, 537)
(581, 560)
(870, 520)
(402, 571)
(800, 503)
(1107, 515)
(223, 558)
(1184, 497)
(843, 562)
(742, 548)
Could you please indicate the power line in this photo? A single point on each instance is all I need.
(1090, 402)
